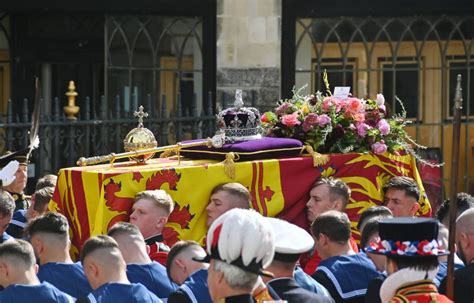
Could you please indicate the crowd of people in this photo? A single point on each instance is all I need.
(246, 257)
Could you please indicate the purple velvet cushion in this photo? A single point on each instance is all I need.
(265, 148)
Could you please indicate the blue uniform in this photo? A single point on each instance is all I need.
(42, 293)
(443, 271)
(17, 224)
(153, 276)
(346, 277)
(307, 282)
(119, 292)
(194, 289)
(68, 278)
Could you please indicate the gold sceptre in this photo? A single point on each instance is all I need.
(216, 141)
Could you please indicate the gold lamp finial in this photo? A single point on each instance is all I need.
(71, 109)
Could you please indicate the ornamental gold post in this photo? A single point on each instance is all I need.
(71, 109)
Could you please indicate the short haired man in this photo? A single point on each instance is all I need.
(344, 273)
(17, 186)
(105, 270)
(401, 195)
(326, 194)
(290, 242)
(225, 197)
(188, 273)
(49, 180)
(240, 244)
(370, 213)
(7, 207)
(412, 250)
(18, 276)
(464, 201)
(39, 205)
(150, 213)
(464, 278)
(140, 268)
(49, 236)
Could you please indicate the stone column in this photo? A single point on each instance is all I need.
(248, 51)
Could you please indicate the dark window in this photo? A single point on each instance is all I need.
(401, 80)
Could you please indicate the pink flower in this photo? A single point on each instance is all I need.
(383, 127)
(360, 117)
(291, 119)
(280, 110)
(330, 102)
(354, 106)
(362, 129)
(310, 120)
(379, 147)
(323, 120)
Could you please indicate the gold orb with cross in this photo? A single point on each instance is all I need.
(140, 138)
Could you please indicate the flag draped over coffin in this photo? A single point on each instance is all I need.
(94, 198)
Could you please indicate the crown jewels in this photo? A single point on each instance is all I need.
(239, 123)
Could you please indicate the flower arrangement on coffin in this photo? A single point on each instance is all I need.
(340, 125)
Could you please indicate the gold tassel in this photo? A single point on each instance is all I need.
(318, 159)
(229, 164)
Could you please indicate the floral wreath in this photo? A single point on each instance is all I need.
(422, 248)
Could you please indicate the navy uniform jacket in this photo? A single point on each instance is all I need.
(153, 276)
(239, 299)
(119, 292)
(68, 278)
(287, 289)
(194, 289)
(4, 237)
(17, 224)
(42, 293)
(346, 277)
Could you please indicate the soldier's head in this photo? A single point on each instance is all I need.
(17, 263)
(327, 194)
(225, 197)
(150, 211)
(180, 264)
(331, 231)
(49, 235)
(103, 261)
(7, 207)
(401, 196)
(130, 242)
(21, 174)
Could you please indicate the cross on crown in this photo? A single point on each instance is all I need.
(140, 114)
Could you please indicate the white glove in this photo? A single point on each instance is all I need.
(7, 174)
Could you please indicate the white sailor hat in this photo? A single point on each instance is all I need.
(290, 240)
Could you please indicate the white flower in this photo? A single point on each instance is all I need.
(380, 100)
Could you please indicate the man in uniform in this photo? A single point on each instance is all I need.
(49, 236)
(344, 273)
(412, 250)
(150, 213)
(18, 276)
(188, 273)
(290, 242)
(326, 194)
(240, 244)
(17, 187)
(105, 270)
(140, 268)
